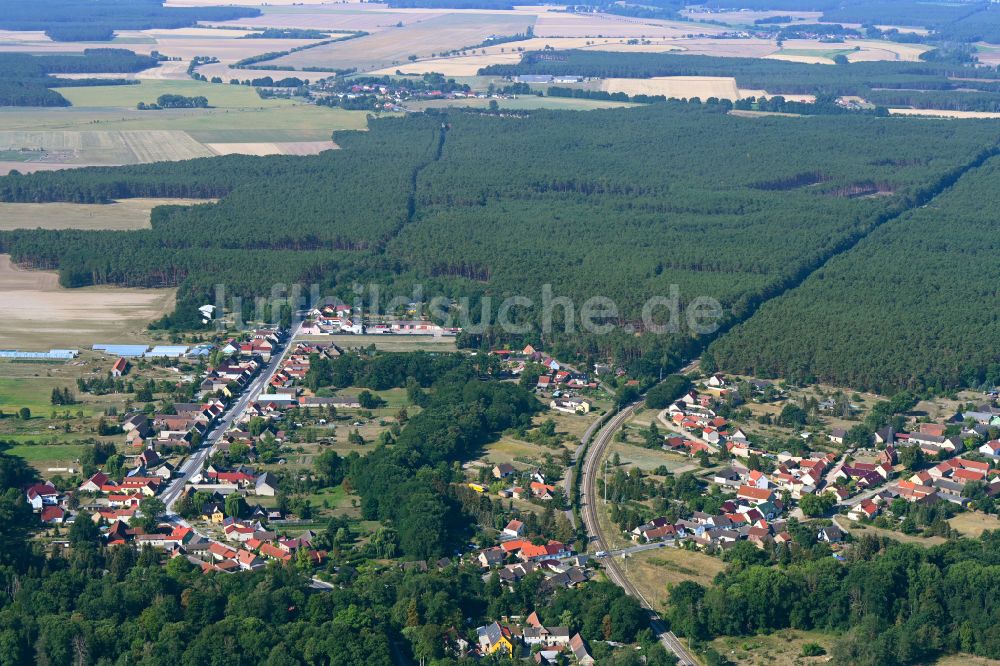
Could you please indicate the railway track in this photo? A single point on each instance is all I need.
(588, 501)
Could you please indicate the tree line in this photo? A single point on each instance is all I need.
(97, 20)
(905, 81)
(935, 329)
(25, 79)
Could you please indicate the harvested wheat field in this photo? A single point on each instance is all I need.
(225, 72)
(945, 113)
(247, 3)
(747, 17)
(704, 87)
(369, 18)
(23, 36)
(608, 25)
(118, 216)
(226, 45)
(392, 47)
(6, 166)
(813, 51)
(39, 314)
(264, 149)
(879, 50)
(101, 148)
(736, 48)
(510, 53)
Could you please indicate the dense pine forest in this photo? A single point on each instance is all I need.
(895, 604)
(621, 203)
(912, 306)
(25, 79)
(972, 21)
(917, 84)
(97, 20)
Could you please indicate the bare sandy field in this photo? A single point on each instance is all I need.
(7, 166)
(23, 36)
(39, 314)
(944, 113)
(676, 86)
(263, 149)
(172, 70)
(118, 216)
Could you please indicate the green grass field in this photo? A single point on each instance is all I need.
(35, 393)
(387, 343)
(47, 453)
(104, 127)
(220, 95)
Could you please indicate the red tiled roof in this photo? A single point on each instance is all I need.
(512, 546)
(750, 492)
(274, 552)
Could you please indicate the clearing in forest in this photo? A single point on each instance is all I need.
(41, 315)
(118, 216)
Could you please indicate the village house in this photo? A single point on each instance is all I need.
(542, 491)
(95, 483)
(494, 637)
(491, 557)
(579, 649)
(41, 495)
(266, 485)
(513, 530)
(571, 405)
(830, 534)
(867, 509)
(991, 448)
(503, 470)
(53, 515)
(120, 367)
(545, 636)
(755, 495)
